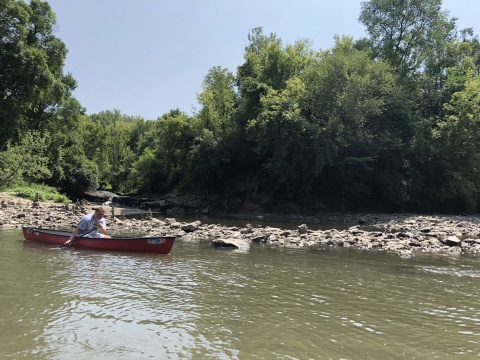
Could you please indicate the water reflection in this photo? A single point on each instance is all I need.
(202, 302)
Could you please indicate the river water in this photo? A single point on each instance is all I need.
(200, 302)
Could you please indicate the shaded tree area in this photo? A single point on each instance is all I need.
(388, 122)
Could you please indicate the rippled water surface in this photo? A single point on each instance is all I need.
(265, 303)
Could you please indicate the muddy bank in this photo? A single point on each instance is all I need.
(403, 234)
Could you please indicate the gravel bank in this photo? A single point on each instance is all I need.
(403, 234)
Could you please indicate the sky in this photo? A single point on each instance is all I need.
(146, 57)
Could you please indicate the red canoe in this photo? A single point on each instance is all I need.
(159, 245)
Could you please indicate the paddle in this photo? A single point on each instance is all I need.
(79, 236)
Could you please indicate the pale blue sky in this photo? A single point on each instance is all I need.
(145, 57)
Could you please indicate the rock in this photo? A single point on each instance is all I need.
(302, 229)
(191, 227)
(260, 239)
(453, 241)
(230, 243)
(248, 229)
(157, 221)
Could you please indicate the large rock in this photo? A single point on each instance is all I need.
(453, 241)
(230, 243)
(191, 226)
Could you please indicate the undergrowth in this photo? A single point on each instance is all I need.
(45, 193)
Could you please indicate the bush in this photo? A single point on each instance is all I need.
(46, 193)
(80, 174)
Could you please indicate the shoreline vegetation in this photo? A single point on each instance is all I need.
(385, 121)
(402, 234)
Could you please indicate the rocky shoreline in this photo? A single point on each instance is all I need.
(403, 234)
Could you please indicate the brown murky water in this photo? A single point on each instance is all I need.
(265, 303)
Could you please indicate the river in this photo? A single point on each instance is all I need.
(200, 302)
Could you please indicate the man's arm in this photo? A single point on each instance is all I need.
(102, 228)
(72, 236)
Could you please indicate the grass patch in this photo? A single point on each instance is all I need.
(45, 193)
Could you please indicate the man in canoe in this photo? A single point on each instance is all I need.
(91, 225)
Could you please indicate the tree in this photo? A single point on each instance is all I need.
(109, 137)
(80, 174)
(118, 150)
(209, 164)
(144, 175)
(173, 142)
(406, 32)
(458, 142)
(268, 65)
(64, 132)
(269, 68)
(25, 160)
(358, 98)
(31, 68)
(293, 148)
(218, 100)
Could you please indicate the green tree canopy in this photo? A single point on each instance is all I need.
(406, 32)
(218, 100)
(458, 143)
(32, 83)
